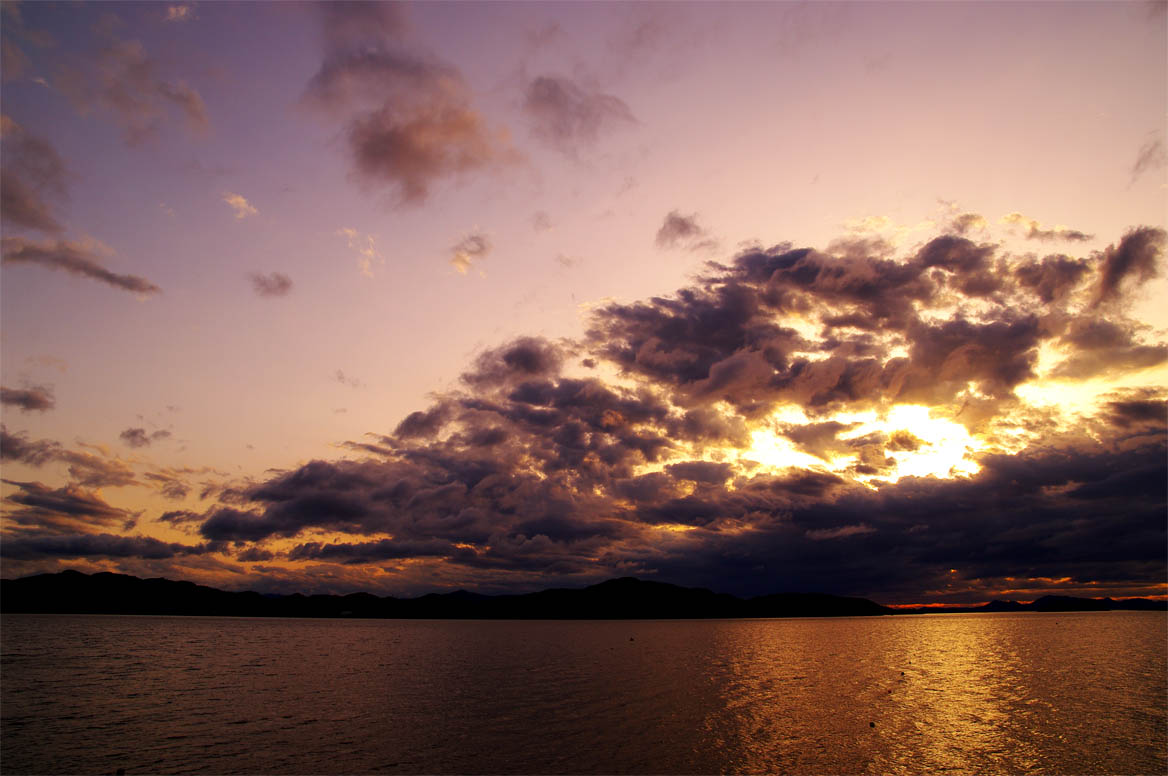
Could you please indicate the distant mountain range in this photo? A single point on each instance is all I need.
(625, 598)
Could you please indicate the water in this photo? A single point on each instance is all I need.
(985, 694)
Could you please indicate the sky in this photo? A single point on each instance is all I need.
(857, 298)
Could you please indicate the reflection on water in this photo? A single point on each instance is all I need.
(989, 693)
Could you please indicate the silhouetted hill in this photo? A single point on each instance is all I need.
(626, 598)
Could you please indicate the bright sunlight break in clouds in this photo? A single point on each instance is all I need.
(747, 296)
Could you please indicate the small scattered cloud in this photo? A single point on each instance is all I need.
(272, 284)
(366, 249)
(470, 249)
(566, 116)
(541, 221)
(1151, 156)
(137, 437)
(239, 205)
(680, 230)
(180, 13)
(1035, 231)
(71, 257)
(344, 379)
(36, 398)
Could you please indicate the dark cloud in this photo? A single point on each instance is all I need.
(94, 545)
(526, 473)
(408, 117)
(74, 258)
(1136, 257)
(123, 80)
(566, 116)
(137, 437)
(31, 173)
(272, 284)
(1151, 156)
(69, 509)
(36, 398)
(683, 231)
(18, 447)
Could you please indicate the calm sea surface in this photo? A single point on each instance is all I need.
(985, 694)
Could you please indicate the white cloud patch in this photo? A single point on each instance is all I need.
(366, 248)
(239, 204)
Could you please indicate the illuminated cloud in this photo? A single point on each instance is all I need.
(36, 397)
(1035, 231)
(272, 284)
(72, 257)
(241, 207)
(32, 172)
(469, 250)
(566, 116)
(527, 469)
(180, 13)
(366, 250)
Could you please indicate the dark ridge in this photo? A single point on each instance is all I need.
(626, 598)
(71, 592)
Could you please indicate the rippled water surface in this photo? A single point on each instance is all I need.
(985, 693)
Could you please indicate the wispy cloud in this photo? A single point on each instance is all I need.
(566, 116)
(469, 250)
(272, 284)
(71, 257)
(366, 248)
(239, 205)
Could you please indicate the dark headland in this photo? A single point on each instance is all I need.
(71, 592)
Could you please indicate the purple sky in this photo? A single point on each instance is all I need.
(864, 298)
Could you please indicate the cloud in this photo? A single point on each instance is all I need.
(94, 545)
(1035, 231)
(1136, 258)
(180, 13)
(70, 509)
(566, 116)
(36, 398)
(137, 437)
(123, 81)
(1151, 156)
(72, 257)
(470, 249)
(272, 284)
(681, 230)
(32, 172)
(366, 250)
(18, 447)
(748, 432)
(344, 379)
(407, 116)
(239, 205)
(541, 221)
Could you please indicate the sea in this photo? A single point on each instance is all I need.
(1013, 693)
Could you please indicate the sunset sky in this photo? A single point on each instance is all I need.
(859, 298)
